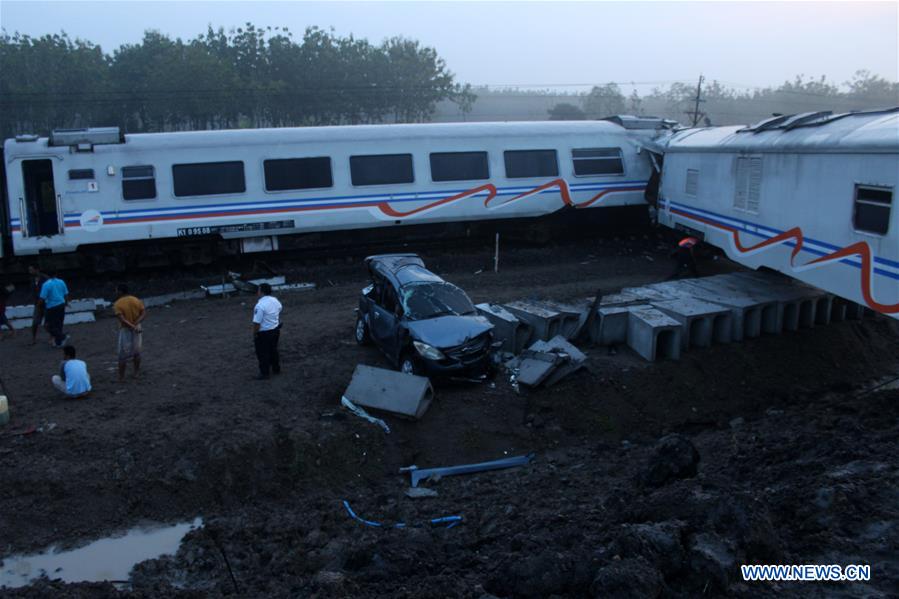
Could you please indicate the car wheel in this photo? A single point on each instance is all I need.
(361, 331)
(410, 365)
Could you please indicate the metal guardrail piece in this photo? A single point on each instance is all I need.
(418, 474)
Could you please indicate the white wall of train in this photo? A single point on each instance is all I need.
(95, 186)
(812, 196)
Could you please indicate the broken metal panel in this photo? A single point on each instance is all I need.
(407, 395)
(417, 474)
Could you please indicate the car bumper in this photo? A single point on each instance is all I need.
(474, 368)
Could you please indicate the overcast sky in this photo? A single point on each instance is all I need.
(540, 43)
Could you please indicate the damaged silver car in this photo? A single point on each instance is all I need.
(423, 324)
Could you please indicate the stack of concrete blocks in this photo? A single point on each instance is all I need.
(703, 323)
(545, 323)
(803, 305)
(78, 311)
(574, 315)
(513, 332)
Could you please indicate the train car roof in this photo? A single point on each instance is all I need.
(875, 131)
(149, 141)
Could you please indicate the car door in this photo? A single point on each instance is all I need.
(384, 329)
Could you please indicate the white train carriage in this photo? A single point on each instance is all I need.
(810, 195)
(95, 186)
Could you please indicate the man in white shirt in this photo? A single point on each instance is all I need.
(73, 381)
(266, 331)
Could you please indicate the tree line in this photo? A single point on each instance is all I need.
(723, 105)
(247, 77)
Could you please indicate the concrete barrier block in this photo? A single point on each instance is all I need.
(507, 327)
(653, 334)
(380, 389)
(703, 323)
(545, 323)
(747, 313)
(610, 325)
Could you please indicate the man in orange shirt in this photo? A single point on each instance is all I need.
(131, 313)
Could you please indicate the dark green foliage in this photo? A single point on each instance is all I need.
(248, 77)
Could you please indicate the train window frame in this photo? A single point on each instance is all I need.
(243, 173)
(506, 154)
(353, 157)
(872, 202)
(619, 158)
(152, 177)
(291, 158)
(81, 174)
(484, 153)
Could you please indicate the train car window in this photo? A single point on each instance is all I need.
(748, 183)
(81, 173)
(597, 161)
(208, 178)
(138, 182)
(381, 169)
(691, 187)
(521, 164)
(297, 173)
(872, 209)
(459, 166)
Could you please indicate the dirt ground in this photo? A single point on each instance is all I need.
(797, 464)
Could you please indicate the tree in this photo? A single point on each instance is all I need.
(564, 111)
(604, 100)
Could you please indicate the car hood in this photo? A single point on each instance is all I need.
(448, 331)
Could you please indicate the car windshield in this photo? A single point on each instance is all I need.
(429, 300)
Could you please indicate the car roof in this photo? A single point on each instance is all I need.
(401, 269)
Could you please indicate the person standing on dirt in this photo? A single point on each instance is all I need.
(54, 298)
(5, 290)
(73, 380)
(685, 258)
(37, 318)
(267, 331)
(131, 313)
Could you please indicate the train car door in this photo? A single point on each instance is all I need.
(41, 216)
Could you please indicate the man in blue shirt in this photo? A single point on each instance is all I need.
(73, 380)
(54, 297)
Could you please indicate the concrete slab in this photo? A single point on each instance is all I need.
(508, 328)
(559, 344)
(380, 389)
(703, 322)
(653, 334)
(545, 323)
(620, 299)
(535, 367)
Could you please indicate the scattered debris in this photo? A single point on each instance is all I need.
(548, 362)
(417, 474)
(168, 298)
(363, 414)
(403, 394)
(449, 521)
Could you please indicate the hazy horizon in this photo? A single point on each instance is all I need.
(564, 46)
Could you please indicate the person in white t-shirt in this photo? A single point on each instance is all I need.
(266, 331)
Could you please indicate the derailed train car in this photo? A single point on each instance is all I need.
(95, 188)
(810, 195)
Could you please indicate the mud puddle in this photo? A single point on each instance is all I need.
(110, 559)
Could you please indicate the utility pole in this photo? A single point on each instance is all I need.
(695, 112)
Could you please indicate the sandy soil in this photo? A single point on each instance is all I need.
(794, 466)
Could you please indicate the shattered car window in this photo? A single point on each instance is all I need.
(429, 300)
